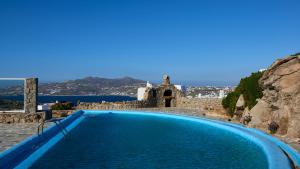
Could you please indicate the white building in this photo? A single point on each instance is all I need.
(221, 94)
(149, 85)
(43, 107)
(181, 88)
(199, 95)
(140, 93)
(261, 70)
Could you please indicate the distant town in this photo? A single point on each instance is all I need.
(208, 91)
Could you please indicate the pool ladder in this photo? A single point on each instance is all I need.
(40, 128)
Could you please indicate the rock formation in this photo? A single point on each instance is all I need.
(240, 104)
(280, 103)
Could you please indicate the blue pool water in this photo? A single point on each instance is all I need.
(130, 141)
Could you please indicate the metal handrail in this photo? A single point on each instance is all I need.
(54, 120)
(40, 124)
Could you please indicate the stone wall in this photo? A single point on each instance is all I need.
(30, 95)
(207, 106)
(22, 117)
(211, 105)
(161, 98)
(61, 113)
(114, 105)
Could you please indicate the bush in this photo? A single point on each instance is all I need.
(296, 54)
(250, 89)
(62, 106)
(229, 102)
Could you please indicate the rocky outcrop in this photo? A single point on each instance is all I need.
(240, 104)
(239, 108)
(242, 113)
(280, 103)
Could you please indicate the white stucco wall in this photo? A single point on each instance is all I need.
(181, 88)
(140, 93)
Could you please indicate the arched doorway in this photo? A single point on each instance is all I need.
(168, 102)
(168, 98)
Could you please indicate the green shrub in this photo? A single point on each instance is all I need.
(250, 89)
(62, 106)
(296, 54)
(229, 102)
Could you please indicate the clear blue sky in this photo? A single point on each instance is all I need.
(197, 41)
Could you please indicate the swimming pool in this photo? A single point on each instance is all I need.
(122, 139)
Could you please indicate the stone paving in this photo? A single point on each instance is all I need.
(11, 134)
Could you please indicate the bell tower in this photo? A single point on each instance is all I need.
(166, 80)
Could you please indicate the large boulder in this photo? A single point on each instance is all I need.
(280, 103)
(240, 104)
(239, 108)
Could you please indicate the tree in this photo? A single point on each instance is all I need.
(62, 106)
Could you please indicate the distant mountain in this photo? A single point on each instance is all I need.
(105, 82)
(125, 86)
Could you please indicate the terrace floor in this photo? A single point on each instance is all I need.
(11, 134)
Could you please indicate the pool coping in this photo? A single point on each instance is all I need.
(271, 146)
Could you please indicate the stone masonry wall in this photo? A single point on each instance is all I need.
(30, 95)
(211, 105)
(161, 99)
(114, 105)
(22, 117)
